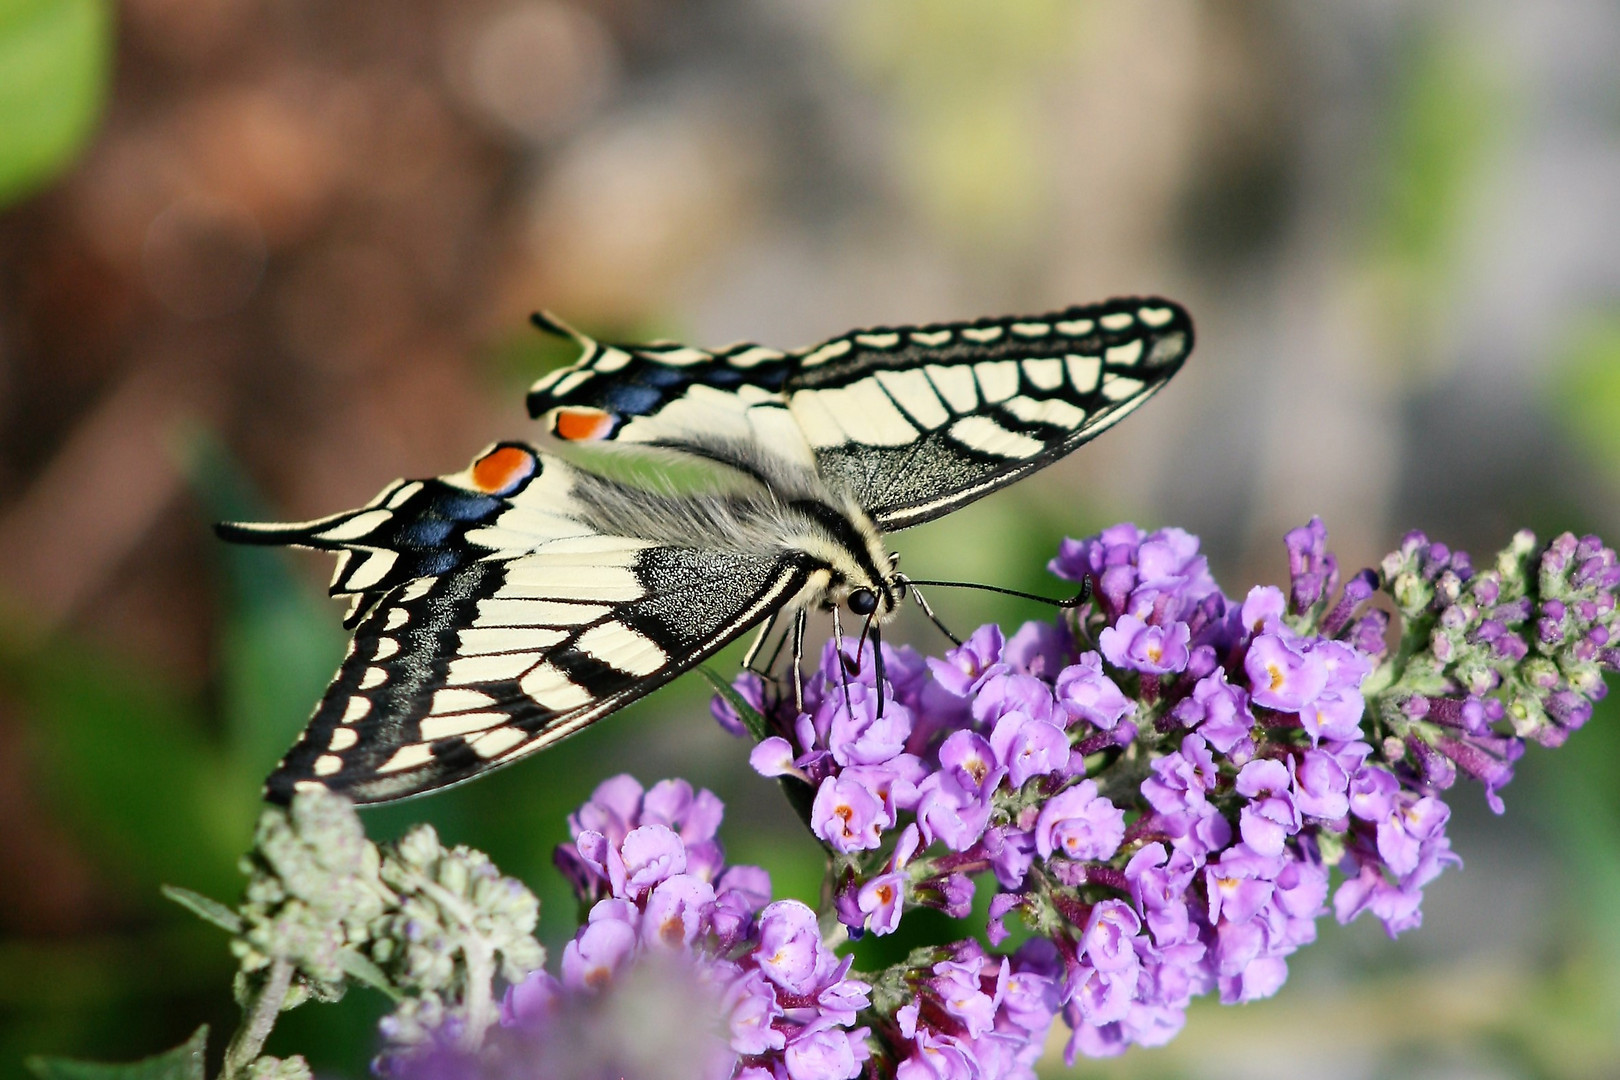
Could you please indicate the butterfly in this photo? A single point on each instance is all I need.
(676, 498)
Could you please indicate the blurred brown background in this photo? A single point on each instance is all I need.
(293, 259)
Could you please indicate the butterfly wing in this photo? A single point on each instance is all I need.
(918, 421)
(502, 622)
(911, 421)
(725, 406)
(419, 528)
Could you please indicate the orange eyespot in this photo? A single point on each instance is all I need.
(582, 424)
(503, 469)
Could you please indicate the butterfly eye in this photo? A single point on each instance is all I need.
(863, 601)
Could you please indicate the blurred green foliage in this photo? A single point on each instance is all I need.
(54, 61)
(184, 1062)
(1450, 109)
(1447, 114)
(1587, 392)
(1584, 401)
(277, 641)
(158, 787)
(960, 72)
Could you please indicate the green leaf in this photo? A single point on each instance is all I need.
(54, 60)
(359, 967)
(751, 719)
(800, 795)
(125, 759)
(204, 908)
(184, 1062)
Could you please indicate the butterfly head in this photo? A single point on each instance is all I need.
(867, 599)
(868, 594)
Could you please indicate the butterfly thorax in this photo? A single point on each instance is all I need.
(824, 530)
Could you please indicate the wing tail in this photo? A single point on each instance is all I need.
(283, 533)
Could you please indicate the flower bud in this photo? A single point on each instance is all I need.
(1539, 673)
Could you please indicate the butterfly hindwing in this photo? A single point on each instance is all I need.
(414, 529)
(535, 625)
(495, 612)
(629, 381)
(454, 675)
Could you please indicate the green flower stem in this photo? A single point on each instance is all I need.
(479, 956)
(261, 1017)
(480, 1001)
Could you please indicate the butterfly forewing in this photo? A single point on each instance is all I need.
(917, 421)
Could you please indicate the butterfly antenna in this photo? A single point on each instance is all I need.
(926, 610)
(1072, 602)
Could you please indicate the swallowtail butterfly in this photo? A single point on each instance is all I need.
(498, 609)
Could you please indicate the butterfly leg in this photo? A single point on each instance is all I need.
(776, 652)
(765, 629)
(801, 617)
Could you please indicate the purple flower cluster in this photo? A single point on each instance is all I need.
(1259, 768)
(972, 1015)
(786, 1005)
(1168, 787)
